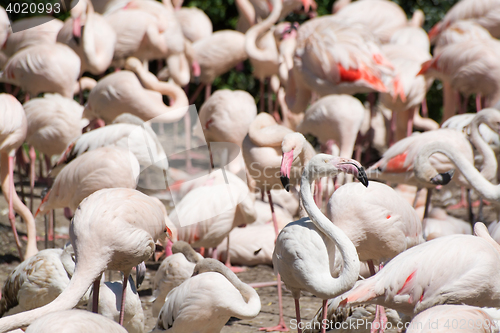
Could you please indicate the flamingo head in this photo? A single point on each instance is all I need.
(77, 29)
(324, 165)
(291, 146)
(443, 178)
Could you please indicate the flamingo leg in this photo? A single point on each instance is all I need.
(8, 184)
(196, 93)
(32, 154)
(208, 91)
(46, 223)
(297, 315)
(409, 128)
(416, 197)
(323, 322)
(187, 129)
(425, 110)
(122, 307)
(478, 103)
(95, 295)
(228, 261)
(281, 327)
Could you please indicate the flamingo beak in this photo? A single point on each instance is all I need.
(307, 5)
(196, 71)
(357, 170)
(443, 178)
(169, 232)
(77, 30)
(286, 169)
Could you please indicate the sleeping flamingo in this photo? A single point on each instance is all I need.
(206, 301)
(112, 229)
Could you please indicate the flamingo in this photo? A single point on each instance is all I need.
(140, 141)
(381, 17)
(482, 12)
(75, 321)
(109, 299)
(216, 55)
(470, 67)
(335, 117)
(106, 167)
(37, 281)
(226, 117)
(112, 229)
(30, 32)
(90, 36)
(4, 26)
(306, 266)
(43, 68)
(13, 128)
(173, 270)
(439, 224)
(417, 280)
(206, 301)
(440, 317)
(122, 92)
(333, 57)
(194, 22)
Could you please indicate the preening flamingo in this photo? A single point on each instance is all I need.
(30, 32)
(124, 92)
(305, 248)
(90, 36)
(43, 68)
(206, 301)
(417, 279)
(13, 128)
(173, 270)
(37, 281)
(74, 321)
(112, 229)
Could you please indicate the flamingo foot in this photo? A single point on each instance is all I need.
(478, 202)
(235, 269)
(461, 204)
(281, 327)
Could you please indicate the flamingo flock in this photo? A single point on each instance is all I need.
(333, 173)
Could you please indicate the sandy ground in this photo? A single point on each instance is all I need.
(267, 317)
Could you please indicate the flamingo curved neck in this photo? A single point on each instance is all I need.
(424, 171)
(490, 164)
(257, 30)
(68, 299)
(248, 293)
(350, 258)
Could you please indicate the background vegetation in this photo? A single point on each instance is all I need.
(224, 15)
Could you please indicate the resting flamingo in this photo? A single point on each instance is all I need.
(173, 270)
(13, 128)
(207, 300)
(124, 92)
(417, 279)
(43, 68)
(303, 248)
(112, 229)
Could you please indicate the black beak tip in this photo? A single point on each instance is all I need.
(443, 178)
(286, 182)
(362, 177)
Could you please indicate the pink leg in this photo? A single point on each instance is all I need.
(197, 92)
(281, 325)
(409, 128)
(228, 261)
(425, 111)
(208, 91)
(325, 312)
(12, 216)
(297, 315)
(478, 103)
(392, 131)
(122, 308)
(32, 154)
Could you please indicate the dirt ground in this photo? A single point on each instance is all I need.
(269, 313)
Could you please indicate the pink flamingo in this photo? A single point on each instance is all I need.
(13, 128)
